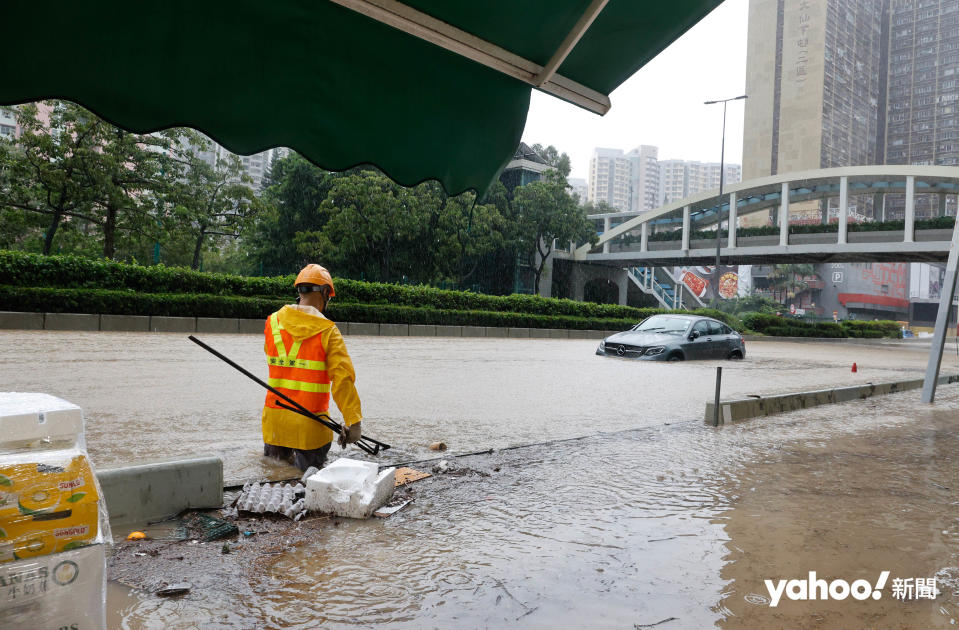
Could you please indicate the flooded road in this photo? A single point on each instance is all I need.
(156, 395)
(651, 520)
(668, 527)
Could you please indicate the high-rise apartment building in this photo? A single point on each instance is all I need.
(852, 82)
(638, 181)
(815, 87)
(609, 177)
(679, 179)
(643, 177)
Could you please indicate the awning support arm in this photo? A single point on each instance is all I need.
(582, 25)
(447, 36)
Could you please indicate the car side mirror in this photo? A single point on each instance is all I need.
(694, 335)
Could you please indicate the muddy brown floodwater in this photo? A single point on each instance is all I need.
(650, 520)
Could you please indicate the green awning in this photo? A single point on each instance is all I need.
(429, 89)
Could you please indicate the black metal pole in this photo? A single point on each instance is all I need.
(719, 207)
(719, 381)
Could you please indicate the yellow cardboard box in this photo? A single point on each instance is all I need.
(45, 486)
(32, 535)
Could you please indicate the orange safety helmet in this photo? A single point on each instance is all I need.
(315, 274)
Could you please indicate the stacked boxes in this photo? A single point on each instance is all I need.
(52, 519)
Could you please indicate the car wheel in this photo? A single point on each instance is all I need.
(675, 357)
(735, 355)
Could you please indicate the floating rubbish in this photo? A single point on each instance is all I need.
(180, 588)
(225, 548)
(438, 446)
(441, 467)
(389, 510)
(212, 528)
(349, 488)
(136, 536)
(408, 475)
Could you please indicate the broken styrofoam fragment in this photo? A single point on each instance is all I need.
(312, 470)
(349, 488)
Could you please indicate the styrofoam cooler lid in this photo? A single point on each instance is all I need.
(32, 416)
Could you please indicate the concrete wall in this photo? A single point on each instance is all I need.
(142, 323)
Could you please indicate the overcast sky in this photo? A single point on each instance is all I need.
(662, 104)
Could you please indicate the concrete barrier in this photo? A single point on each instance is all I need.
(125, 323)
(160, 323)
(586, 334)
(252, 326)
(217, 325)
(11, 320)
(496, 331)
(539, 333)
(474, 331)
(555, 333)
(155, 490)
(71, 321)
(395, 330)
(518, 333)
(732, 411)
(449, 331)
(422, 330)
(361, 328)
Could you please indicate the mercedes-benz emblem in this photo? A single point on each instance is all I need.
(621, 351)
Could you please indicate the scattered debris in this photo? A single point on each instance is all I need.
(280, 499)
(409, 475)
(438, 446)
(351, 488)
(386, 511)
(225, 548)
(650, 625)
(209, 528)
(441, 467)
(136, 536)
(180, 588)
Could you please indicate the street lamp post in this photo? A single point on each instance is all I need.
(722, 169)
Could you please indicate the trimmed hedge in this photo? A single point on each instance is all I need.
(127, 302)
(24, 270)
(787, 327)
(40, 299)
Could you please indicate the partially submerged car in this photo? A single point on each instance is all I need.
(675, 338)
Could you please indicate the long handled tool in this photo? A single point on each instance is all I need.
(368, 444)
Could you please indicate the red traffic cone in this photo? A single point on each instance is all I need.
(854, 368)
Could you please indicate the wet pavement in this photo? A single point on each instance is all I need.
(651, 520)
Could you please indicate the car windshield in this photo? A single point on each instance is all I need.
(670, 325)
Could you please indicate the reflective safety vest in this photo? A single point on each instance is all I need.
(297, 368)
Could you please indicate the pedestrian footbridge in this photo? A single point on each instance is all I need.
(683, 233)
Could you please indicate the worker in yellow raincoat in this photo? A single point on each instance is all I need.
(308, 361)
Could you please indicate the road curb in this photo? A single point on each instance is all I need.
(733, 411)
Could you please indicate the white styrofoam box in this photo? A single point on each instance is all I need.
(350, 488)
(62, 590)
(31, 416)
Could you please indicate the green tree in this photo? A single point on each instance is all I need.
(559, 161)
(210, 203)
(545, 212)
(293, 190)
(370, 223)
(46, 169)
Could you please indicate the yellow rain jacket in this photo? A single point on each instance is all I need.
(308, 361)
